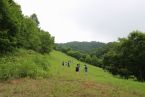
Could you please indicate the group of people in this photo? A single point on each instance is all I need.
(85, 68)
(66, 63)
(77, 68)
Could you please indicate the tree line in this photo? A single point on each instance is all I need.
(83, 47)
(19, 31)
(125, 57)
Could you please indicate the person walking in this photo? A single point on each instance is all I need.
(78, 68)
(63, 63)
(68, 64)
(85, 69)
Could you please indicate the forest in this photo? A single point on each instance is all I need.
(20, 31)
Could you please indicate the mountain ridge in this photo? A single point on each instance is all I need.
(80, 46)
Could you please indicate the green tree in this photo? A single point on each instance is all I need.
(88, 59)
(96, 61)
(29, 36)
(34, 17)
(126, 57)
(133, 54)
(47, 42)
(18, 31)
(10, 15)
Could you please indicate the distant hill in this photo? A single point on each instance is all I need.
(81, 46)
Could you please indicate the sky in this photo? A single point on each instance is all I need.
(87, 20)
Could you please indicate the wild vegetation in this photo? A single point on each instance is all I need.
(23, 63)
(124, 57)
(63, 81)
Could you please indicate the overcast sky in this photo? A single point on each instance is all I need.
(87, 20)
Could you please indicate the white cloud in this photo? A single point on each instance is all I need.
(87, 20)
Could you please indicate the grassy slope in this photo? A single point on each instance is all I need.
(65, 82)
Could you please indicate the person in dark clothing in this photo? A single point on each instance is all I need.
(68, 64)
(85, 68)
(78, 68)
(63, 63)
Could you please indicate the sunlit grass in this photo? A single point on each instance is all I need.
(94, 74)
(63, 81)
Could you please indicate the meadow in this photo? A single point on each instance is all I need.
(30, 74)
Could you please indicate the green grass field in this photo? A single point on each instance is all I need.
(62, 81)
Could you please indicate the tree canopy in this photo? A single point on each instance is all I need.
(19, 31)
(126, 57)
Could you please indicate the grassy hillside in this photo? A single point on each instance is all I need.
(62, 81)
(23, 63)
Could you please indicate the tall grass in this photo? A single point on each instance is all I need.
(23, 64)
